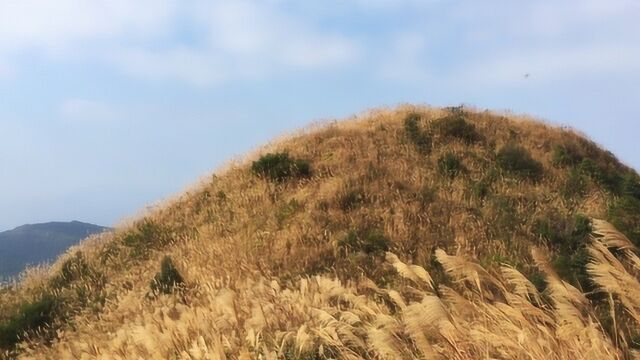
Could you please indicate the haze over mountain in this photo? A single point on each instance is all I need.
(34, 244)
(402, 233)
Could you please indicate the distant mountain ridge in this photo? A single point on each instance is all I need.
(33, 244)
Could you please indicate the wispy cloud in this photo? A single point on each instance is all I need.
(64, 25)
(143, 38)
(86, 111)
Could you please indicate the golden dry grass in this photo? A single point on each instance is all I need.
(267, 275)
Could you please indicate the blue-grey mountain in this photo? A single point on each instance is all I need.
(33, 244)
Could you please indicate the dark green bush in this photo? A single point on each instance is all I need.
(287, 210)
(375, 242)
(630, 185)
(624, 214)
(371, 242)
(145, 236)
(351, 199)
(538, 279)
(566, 235)
(573, 268)
(566, 155)
(427, 195)
(418, 137)
(34, 316)
(569, 237)
(575, 186)
(280, 167)
(450, 165)
(167, 279)
(516, 160)
(455, 126)
(609, 179)
(504, 214)
(73, 269)
(480, 189)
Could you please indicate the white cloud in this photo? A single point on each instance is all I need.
(238, 38)
(62, 24)
(268, 33)
(86, 111)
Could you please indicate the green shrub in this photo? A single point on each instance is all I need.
(167, 279)
(280, 167)
(609, 179)
(630, 185)
(480, 189)
(375, 242)
(566, 235)
(504, 214)
(566, 155)
(287, 210)
(449, 165)
(427, 195)
(538, 279)
(575, 186)
(371, 242)
(73, 269)
(34, 316)
(145, 236)
(570, 238)
(516, 160)
(351, 199)
(418, 137)
(624, 214)
(455, 126)
(573, 268)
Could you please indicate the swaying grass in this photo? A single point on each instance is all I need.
(375, 256)
(485, 314)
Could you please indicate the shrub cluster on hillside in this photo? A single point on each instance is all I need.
(31, 316)
(418, 136)
(167, 279)
(455, 126)
(450, 165)
(517, 160)
(281, 267)
(280, 167)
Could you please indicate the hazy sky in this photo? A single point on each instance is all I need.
(108, 105)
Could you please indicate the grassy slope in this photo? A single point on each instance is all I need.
(242, 243)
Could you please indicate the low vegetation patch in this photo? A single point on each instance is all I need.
(145, 236)
(418, 136)
(280, 167)
(287, 210)
(73, 269)
(450, 165)
(427, 196)
(30, 317)
(517, 161)
(167, 279)
(371, 241)
(351, 199)
(455, 126)
(575, 185)
(566, 155)
(569, 237)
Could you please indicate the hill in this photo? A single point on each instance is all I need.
(407, 233)
(34, 244)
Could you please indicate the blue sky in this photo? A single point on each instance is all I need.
(109, 105)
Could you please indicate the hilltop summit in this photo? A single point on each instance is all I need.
(404, 233)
